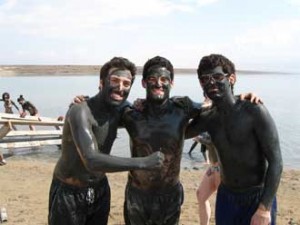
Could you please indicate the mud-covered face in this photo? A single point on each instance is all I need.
(6, 98)
(215, 82)
(158, 84)
(117, 86)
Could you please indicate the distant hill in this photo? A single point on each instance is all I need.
(64, 70)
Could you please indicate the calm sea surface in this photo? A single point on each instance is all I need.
(280, 93)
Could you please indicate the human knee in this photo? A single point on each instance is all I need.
(200, 196)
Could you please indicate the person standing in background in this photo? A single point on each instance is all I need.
(210, 181)
(28, 106)
(8, 103)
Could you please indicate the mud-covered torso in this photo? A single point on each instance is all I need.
(237, 146)
(30, 108)
(8, 106)
(161, 131)
(103, 126)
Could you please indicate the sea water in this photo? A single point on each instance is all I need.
(53, 94)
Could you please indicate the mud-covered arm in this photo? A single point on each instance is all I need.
(23, 109)
(14, 104)
(191, 108)
(125, 107)
(197, 113)
(197, 125)
(87, 148)
(266, 132)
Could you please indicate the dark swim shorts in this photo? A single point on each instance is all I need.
(69, 205)
(152, 208)
(237, 208)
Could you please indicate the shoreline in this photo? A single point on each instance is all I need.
(25, 186)
(64, 70)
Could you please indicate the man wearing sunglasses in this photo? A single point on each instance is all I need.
(247, 145)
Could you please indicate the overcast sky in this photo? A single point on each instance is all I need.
(255, 35)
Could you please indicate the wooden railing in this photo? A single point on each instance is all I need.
(15, 132)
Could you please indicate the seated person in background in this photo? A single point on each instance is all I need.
(210, 180)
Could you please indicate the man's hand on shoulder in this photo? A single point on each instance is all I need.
(251, 97)
(138, 104)
(79, 99)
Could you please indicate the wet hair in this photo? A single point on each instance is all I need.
(120, 63)
(211, 61)
(21, 98)
(158, 61)
(5, 95)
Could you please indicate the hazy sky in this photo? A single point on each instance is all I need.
(256, 34)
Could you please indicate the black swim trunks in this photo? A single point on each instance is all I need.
(237, 208)
(69, 205)
(153, 208)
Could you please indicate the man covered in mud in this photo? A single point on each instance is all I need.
(155, 197)
(80, 192)
(247, 145)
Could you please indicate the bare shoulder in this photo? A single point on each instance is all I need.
(131, 113)
(191, 108)
(252, 108)
(78, 107)
(78, 110)
(182, 101)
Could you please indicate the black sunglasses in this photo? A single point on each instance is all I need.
(204, 79)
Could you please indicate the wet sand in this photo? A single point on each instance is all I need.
(24, 186)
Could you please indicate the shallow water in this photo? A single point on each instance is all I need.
(52, 95)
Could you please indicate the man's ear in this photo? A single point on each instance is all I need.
(232, 78)
(100, 84)
(200, 83)
(144, 84)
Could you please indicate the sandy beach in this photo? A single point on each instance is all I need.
(24, 183)
(24, 187)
